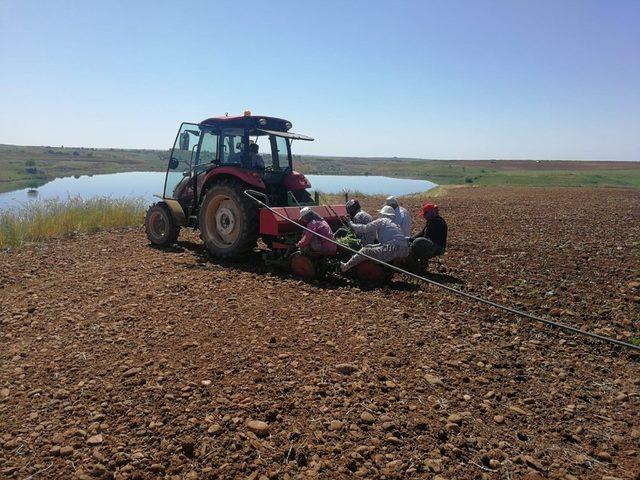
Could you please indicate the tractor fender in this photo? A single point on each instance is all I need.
(176, 211)
(296, 181)
(250, 177)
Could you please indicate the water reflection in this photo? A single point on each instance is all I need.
(146, 184)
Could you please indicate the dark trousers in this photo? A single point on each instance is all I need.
(424, 248)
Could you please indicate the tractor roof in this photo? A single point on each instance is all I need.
(259, 124)
(249, 121)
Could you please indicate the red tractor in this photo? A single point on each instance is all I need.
(212, 164)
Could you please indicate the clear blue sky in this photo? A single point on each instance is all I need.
(556, 79)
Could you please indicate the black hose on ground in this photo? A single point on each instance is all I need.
(455, 291)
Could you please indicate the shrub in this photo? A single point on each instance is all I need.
(30, 163)
(468, 180)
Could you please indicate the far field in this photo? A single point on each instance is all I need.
(24, 166)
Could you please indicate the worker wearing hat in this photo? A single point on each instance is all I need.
(360, 217)
(431, 241)
(402, 217)
(392, 242)
(311, 243)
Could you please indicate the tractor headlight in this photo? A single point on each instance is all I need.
(262, 122)
(288, 125)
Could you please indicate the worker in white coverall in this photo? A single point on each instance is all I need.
(402, 217)
(393, 243)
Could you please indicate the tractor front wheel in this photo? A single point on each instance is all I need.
(160, 226)
(228, 221)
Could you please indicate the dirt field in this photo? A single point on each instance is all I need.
(122, 361)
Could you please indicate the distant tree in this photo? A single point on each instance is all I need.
(468, 180)
(30, 163)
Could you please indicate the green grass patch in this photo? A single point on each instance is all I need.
(561, 178)
(40, 221)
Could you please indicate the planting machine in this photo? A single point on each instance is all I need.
(212, 167)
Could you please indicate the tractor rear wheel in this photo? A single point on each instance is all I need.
(160, 227)
(228, 221)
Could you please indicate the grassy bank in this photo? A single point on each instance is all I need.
(50, 219)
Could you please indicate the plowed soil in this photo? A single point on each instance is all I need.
(118, 360)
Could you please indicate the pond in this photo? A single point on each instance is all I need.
(146, 184)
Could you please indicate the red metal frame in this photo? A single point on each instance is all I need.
(271, 224)
(296, 181)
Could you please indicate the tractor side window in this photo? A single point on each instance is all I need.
(208, 149)
(274, 151)
(232, 147)
(264, 150)
(282, 147)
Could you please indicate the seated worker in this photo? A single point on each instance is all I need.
(431, 241)
(255, 159)
(360, 217)
(402, 218)
(310, 243)
(393, 244)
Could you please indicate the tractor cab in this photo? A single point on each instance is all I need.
(256, 150)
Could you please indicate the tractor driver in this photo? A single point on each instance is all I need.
(255, 159)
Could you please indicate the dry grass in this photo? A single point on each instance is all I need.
(54, 218)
